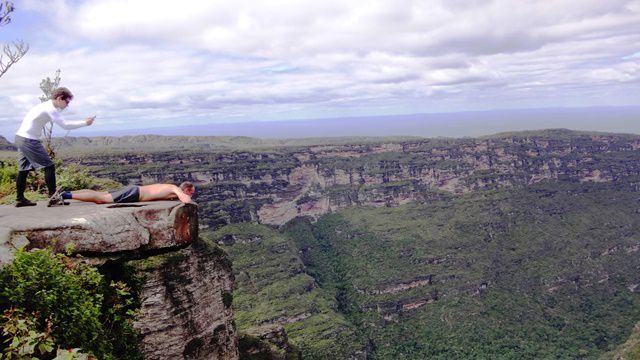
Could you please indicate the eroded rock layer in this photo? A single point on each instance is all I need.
(186, 305)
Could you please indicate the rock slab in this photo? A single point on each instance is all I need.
(99, 230)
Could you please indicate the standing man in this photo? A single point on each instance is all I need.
(31, 152)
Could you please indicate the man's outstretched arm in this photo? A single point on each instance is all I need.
(182, 196)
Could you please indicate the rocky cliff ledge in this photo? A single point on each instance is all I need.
(185, 292)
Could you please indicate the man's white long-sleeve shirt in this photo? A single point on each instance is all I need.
(39, 115)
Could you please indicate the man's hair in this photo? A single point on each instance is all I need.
(186, 185)
(62, 92)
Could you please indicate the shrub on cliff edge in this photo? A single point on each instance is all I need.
(71, 301)
(69, 177)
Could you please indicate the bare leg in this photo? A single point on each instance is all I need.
(98, 197)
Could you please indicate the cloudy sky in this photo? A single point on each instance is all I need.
(150, 63)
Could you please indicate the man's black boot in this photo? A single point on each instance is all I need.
(24, 202)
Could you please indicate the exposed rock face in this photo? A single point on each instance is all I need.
(186, 305)
(396, 288)
(186, 289)
(268, 342)
(274, 187)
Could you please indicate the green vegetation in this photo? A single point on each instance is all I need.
(554, 133)
(542, 272)
(630, 350)
(50, 300)
(69, 177)
(273, 289)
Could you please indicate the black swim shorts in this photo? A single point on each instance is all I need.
(128, 194)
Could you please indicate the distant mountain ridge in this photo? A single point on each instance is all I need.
(173, 142)
(210, 142)
(453, 124)
(5, 144)
(617, 119)
(167, 142)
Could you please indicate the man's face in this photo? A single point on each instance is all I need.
(61, 103)
(190, 191)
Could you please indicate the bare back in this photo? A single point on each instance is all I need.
(159, 192)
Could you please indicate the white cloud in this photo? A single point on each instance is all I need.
(301, 28)
(624, 72)
(218, 60)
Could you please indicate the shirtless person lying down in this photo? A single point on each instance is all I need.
(129, 194)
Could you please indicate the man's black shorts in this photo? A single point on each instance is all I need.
(128, 194)
(31, 154)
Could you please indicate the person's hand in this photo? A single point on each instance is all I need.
(186, 199)
(90, 119)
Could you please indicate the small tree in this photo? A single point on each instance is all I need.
(48, 86)
(16, 49)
